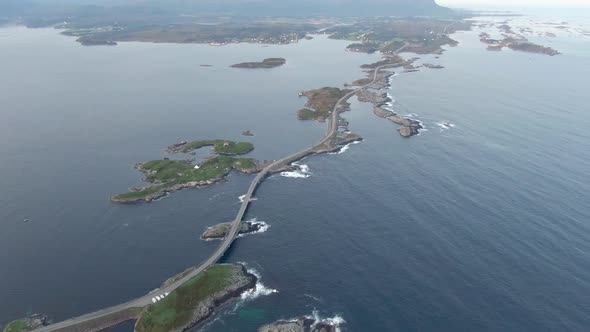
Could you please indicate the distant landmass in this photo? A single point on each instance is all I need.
(48, 12)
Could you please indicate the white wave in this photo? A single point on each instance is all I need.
(445, 125)
(345, 148)
(302, 172)
(410, 115)
(259, 289)
(342, 149)
(335, 321)
(244, 196)
(166, 194)
(313, 297)
(263, 227)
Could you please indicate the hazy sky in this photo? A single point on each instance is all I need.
(515, 3)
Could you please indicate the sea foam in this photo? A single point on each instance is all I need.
(302, 172)
(445, 125)
(259, 289)
(335, 321)
(344, 148)
(263, 227)
(244, 196)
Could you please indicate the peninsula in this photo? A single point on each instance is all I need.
(195, 300)
(264, 64)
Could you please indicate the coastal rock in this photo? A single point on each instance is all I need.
(409, 127)
(220, 230)
(301, 324)
(405, 131)
(382, 113)
(432, 66)
(238, 281)
(367, 96)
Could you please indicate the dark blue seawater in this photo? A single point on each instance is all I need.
(478, 224)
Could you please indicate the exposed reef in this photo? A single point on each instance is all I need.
(301, 324)
(409, 127)
(219, 231)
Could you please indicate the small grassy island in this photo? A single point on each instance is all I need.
(222, 147)
(195, 300)
(170, 175)
(265, 64)
(27, 324)
(18, 326)
(320, 103)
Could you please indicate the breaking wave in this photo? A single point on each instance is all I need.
(445, 125)
(259, 290)
(335, 321)
(344, 148)
(263, 227)
(302, 172)
(244, 196)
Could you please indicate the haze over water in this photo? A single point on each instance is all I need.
(482, 226)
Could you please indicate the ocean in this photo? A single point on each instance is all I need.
(480, 223)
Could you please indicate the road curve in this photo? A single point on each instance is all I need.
(145, 300)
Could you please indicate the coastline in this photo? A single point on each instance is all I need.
(194, 301)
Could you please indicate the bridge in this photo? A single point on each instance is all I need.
(81, 323)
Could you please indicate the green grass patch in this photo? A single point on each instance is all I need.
(168, 173)
(135, 195)
(220, 146)
(175, 310)
(233, 148)
(306, 114)
(244, 164)
(195, 145)
(17, 326)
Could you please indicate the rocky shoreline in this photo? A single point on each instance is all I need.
(193, 184)
(301, 324)
(219, 231)
(238, 282)
(169, 175)
(409, 127)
